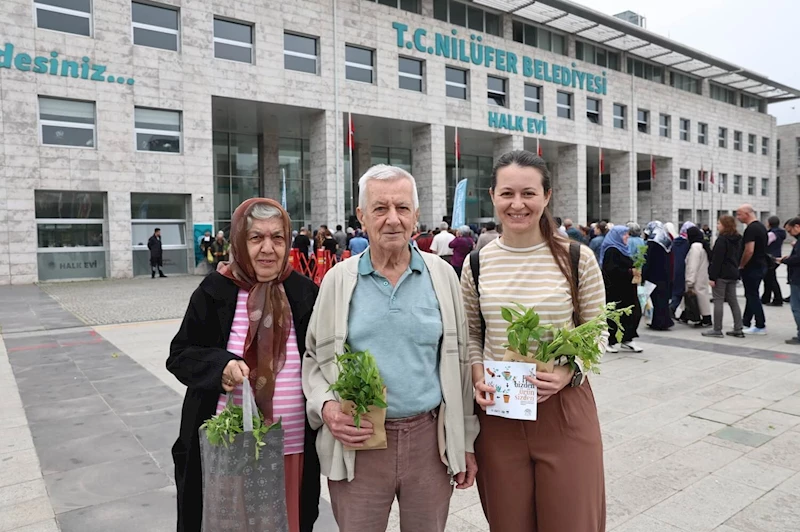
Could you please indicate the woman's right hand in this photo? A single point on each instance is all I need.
(481, 389)
(343, 427)
(235, 372)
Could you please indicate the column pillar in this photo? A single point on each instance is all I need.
(119, 250)
(269, 165)
(569, 191)
(324, 151)
(624, 203)
(362, 156)
(507, 143)
(428, 168)
(663, 192)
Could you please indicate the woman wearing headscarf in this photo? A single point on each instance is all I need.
(680, 248)
(657, 271)
(697, 273)
(617, 265)
(635, 240)
(248, 320)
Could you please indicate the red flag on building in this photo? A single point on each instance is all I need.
(351, 132)
(652, 167)
(602, 161)
(458, 147)
(712, 175)
(538, 148)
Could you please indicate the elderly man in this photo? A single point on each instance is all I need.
(405, 307)
(753, 268)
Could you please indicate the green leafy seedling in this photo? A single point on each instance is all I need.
(223, 428)
(359, 381)
(640, 257)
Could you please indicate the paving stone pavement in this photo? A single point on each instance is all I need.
(697, 437)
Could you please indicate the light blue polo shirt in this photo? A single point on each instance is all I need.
(402, 327)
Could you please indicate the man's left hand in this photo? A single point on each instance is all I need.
(549, 384)
(466, 479)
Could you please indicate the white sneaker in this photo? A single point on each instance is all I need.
(630, 346)
(755, 331)
(612, 348)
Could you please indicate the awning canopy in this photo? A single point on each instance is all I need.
(605, 30)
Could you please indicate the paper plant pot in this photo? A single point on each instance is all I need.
(512, 356)
(376, 416)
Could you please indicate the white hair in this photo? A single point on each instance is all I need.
(262, 212)
(385, 172)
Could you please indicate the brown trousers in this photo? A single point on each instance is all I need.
(409, 468)
(544, 475)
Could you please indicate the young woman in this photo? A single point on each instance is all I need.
(723, 274)
(248, 320)
(657, 271)
(544, 475)
(697, 273)
(617, 266)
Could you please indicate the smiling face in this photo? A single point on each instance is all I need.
(389, 216)
(519, 198)
(266, 247)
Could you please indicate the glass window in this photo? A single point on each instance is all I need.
(458, 14)
(764, 186)
(647, 71)
(233, 41)
(69, 16)
(702, 181)
(155, 26)
(684, 179)
(619, 116)
(157, 130)
(564, 104)
(596, 55)
(68, 204)
(158, 206)
(475, 18)
(764, 146)
(723, 183)
(236, 173)
(664, 125)
(643, 121)
(411, 74)
(295, 163)
(67, 122)
(753, 103)
(493, 24)
(684, 82)
(702, 133)
(737, 140)
(751, 143)
(300, 53)
(66, 235)
(737, 184)
(751, 186)
(685, 125)
(538, 37)
(405, 5)
(244, 155)
(593, 110)
(684, 215)
(440, 10)
(358, 64)
(533, 98)
(497, 91)
(722, 94)
(723, 137)
(456, 83)
(477, 170)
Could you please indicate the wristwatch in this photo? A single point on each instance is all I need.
(577, 377)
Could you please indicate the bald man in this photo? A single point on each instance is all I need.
(753, 268)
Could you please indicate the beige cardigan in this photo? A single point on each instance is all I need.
(327, 332)
(697, 277)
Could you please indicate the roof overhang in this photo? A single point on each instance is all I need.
(588, 24)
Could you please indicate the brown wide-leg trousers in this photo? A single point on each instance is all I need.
(544, 475)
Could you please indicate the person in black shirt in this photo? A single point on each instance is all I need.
(753, 266)
(772, 295)
(302, 242)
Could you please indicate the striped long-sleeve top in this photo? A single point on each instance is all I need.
(531, 277)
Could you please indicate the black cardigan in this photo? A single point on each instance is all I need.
(197, 358)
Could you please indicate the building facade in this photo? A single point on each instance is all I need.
(787, 161)
(122, 116)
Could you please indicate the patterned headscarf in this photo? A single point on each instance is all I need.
(614, 240)
(685, 228)
(268, 310)
(655, 231)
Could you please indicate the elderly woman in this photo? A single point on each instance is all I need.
(248, 320)
(461, 245)
(657, 271)
(405, 307)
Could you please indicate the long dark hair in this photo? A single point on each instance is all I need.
(695, 234)
(558, 245)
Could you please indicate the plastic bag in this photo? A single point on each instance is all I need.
(239, 493)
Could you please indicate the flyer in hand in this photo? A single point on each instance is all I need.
(514, 397)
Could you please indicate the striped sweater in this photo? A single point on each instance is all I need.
(531, 277)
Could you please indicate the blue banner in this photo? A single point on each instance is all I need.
(459, 205)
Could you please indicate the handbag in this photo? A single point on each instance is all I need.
(691, 306)
(210, 256)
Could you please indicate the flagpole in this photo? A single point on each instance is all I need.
(652, 182)
(457, 155)
(350, 142)
(600, 183)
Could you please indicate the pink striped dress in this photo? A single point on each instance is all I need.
(288, 399)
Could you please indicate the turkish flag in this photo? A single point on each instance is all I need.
(652, 168)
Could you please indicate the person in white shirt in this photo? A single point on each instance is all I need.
(441, 243)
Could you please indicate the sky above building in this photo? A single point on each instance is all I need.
(757, 35)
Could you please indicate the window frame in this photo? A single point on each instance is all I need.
(569, 107)
(597, 114)
(158, 29)
(476, 7)
(64, 11)
(539, 37)
(737, 140)
(684, 178)
(504, 93)
(662, 128)
(737, 184)
(538, 101)
(165, 132)
(722, 137)
(723, 183)
(751, 185)
(408, 75)
(765, 146)
(685, 132)
(646, 122)
(620, 117)
(702, 133)
(464, 85)
(59, 123)
(751, 143)
(764, 186)
(230, 42)
(370, 68)
(302, 55)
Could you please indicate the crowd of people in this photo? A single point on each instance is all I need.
(430, 330)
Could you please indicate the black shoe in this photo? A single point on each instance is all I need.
(153, 275)
(161, 274)
(736, 334)
(774, 304)
(786, 300)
